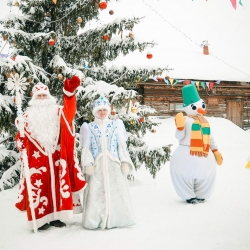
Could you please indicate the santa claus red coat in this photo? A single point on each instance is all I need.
(54, 172)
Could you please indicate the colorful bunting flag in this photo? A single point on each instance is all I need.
(176, 81)
(203, 85)
(173, 82)
(154, 78)
(166, 81)
(233, 3)
(211, 84)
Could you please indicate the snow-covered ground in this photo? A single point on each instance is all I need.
(164, 221)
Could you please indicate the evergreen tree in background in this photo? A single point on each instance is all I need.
(50, 40)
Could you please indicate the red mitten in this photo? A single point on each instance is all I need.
(70, 85)
(21, 142)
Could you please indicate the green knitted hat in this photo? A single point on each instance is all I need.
(190, 95)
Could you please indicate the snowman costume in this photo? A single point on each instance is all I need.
(193, 164)
(106, 164)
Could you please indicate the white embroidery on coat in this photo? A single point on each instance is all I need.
(63, 186)
(36, 154)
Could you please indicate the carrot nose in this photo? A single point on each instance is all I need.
(201, 111)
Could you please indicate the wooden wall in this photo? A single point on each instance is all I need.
(221, 101)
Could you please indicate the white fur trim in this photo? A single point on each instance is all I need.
(67, 123)
(67, 93)
(94, 112)
(58, 215)
(41, 92)
(77, 209)
(52, 174)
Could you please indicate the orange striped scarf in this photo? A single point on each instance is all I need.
(200, 136)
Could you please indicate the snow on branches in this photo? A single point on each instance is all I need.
(130, 74)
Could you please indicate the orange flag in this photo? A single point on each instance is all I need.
(54, 1)
(211, 84)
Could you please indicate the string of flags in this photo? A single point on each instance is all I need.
(234, 3)
(173, 82)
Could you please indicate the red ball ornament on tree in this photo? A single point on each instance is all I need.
(51, 42)
(149, 55)
(103, 5)
(141, 119)
(106, 37)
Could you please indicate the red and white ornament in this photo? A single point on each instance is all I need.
(149, 55)
(103, 5)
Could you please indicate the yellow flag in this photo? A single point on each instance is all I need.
(54, 1)
(197, 84)
(248, 165)
(171, 80)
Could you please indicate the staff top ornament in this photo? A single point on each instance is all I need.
(17, 84)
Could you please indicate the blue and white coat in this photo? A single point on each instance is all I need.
(106, 199)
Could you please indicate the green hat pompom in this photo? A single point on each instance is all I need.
(190, 95)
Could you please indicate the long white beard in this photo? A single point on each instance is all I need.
(43, 122)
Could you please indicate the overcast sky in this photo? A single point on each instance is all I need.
(179, 27)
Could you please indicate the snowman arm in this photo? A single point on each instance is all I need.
(213, 144)
(180, 134)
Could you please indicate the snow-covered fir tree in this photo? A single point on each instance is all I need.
(50, 40)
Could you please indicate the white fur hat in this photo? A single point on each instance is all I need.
(101, 103)
(39, 89)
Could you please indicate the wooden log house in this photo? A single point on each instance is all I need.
(230, 100)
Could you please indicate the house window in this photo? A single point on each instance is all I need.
(176, 107)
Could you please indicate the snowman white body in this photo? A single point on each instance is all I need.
(192, 176)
